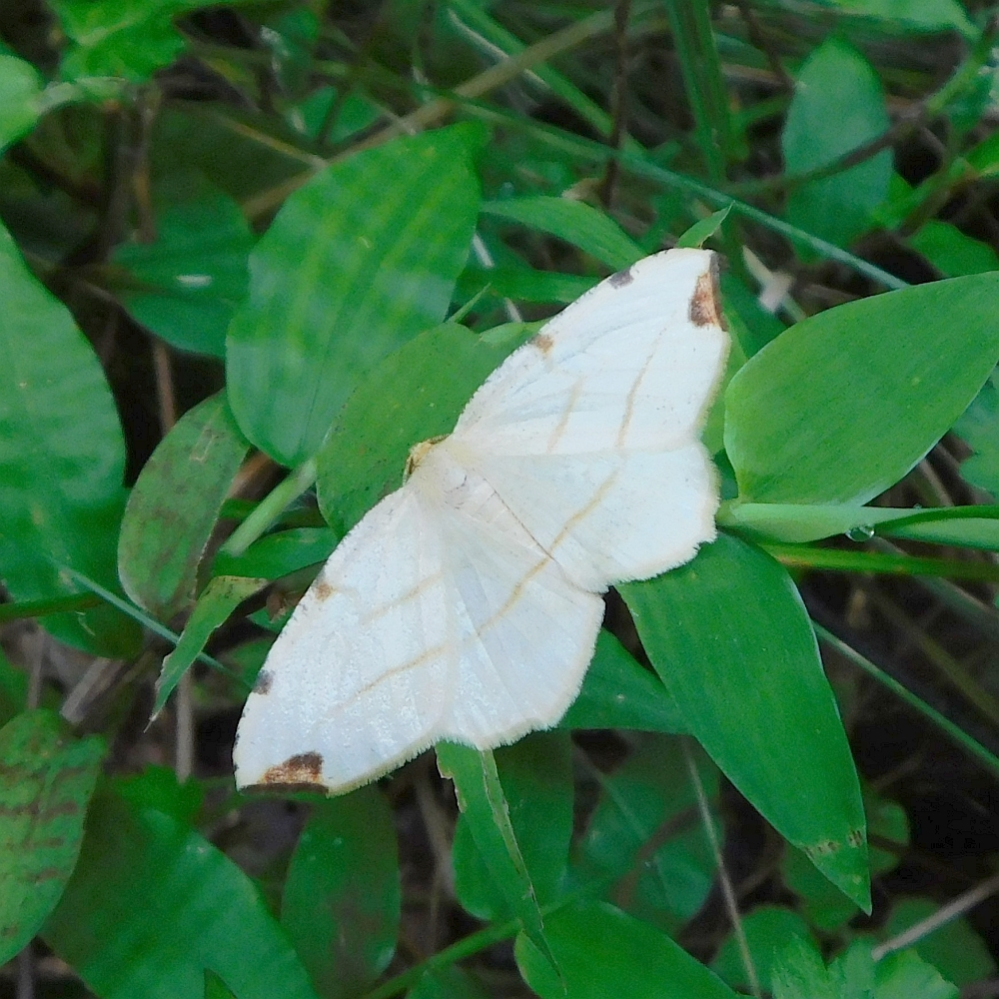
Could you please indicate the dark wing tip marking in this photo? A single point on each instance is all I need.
(621, 279)
(304, 770)
(705, 306)
(263, 682)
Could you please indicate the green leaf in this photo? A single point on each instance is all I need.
(952, 252)
(618, 692)
(797, 523)
(215, 988)
(119, 39)
(152, 904)
(842, 405)
(219, 599)
(825, 907)
(450, 982)
(13, 690)
(647, 836)
(523, 284)
(186, 285)
(46, 780)
(129, 38)
(732, 642)
(700, 232)
(158, 788)
(62, 458)
(484, 806)
(575, 222)
(911, 15)
(837, 106)
(768, 930)
(175, 505)
(341, 896)
(800, 974)
(20, 89)
(277, 555)
(357, 262)
(906, 974)
(603, 952)
(536, 779)
(978, 426)
(414, 394)
(954, 948)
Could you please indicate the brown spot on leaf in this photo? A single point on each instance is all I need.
(263, 682)
(302, 770)
(855, 837)
(705, 306)
(543, 342)
(823, 848)
(621, 279)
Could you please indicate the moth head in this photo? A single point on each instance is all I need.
(418, 452)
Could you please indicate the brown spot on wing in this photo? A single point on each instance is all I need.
(543, 342)
(322, 590)
(305, 770)
(621, 279)
(263, 682)
(705, 306)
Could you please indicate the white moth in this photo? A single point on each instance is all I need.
(465, 606)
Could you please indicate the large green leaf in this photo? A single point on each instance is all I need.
(485, 808)
(602, 952)
(341, 897)
(62, 459)
(843, 404)
(732, 642)
(415, 393)
(175, 505)
(837, 106)
(46, 779)
(357, 262)
(152, 905)
(536, 777)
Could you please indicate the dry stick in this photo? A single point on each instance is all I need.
(183, 705)
(945, 914)
(759, 41)
(26, 958)
(728, 892)
(619, 100)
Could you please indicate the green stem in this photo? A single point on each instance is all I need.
(837, 560)
(270, 508)
(961, 738)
